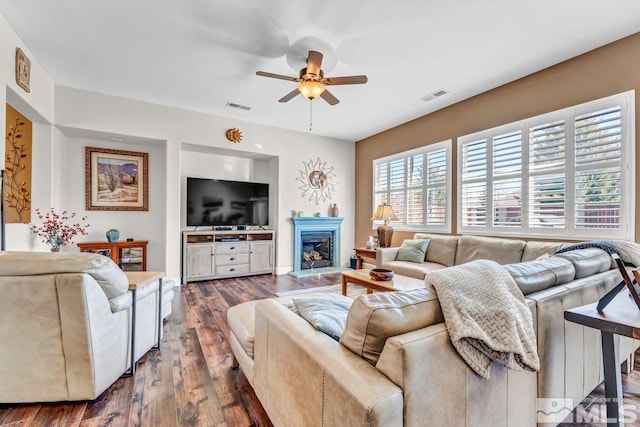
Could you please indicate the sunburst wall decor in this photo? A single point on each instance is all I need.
(317, 181)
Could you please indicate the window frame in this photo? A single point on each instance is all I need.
(447, 146)
(626, 231)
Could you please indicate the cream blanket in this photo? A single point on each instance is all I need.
(486, 316)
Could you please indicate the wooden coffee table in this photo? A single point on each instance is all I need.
(398, 283)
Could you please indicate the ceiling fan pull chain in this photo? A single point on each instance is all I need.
(310, 114)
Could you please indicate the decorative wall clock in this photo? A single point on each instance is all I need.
(317, 181)
(23, 70)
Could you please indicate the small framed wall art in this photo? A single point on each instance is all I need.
(23, 70)
(116, 180)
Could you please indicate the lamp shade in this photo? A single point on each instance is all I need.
(384, 212)
(311, 89)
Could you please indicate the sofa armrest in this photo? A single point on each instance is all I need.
(303, 377)
(440, 387)
(385, 255)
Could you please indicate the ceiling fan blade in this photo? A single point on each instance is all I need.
(276, 76)
(328, 96)
(314, 61)
(347, 80)
(290, 96)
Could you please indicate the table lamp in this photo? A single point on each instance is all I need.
(385, 213)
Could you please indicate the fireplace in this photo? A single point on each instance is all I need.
(317, 249)
(316, 245)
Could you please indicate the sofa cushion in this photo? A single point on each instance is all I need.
(413, 250)
(534, 250)
(328, 315)
(502, 251)
(411, 269)
(587, 261)
(442, 248)
(375, 317)
(535, 276)
(111, 279)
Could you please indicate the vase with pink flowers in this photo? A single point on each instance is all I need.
(55, 229)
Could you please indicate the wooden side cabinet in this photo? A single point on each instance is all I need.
(129, 256)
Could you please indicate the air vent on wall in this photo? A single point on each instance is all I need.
(434, 95)
(234, 105)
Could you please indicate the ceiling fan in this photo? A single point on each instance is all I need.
(312, 81)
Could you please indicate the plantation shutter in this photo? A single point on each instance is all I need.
(437, 187)
(380, 183)
(415, 190)
(397, 188)
(547, 149)
(598, 169)
(474, 183)
(507, 179)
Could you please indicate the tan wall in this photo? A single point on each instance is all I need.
(606, 71)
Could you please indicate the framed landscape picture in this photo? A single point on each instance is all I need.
(116, 180)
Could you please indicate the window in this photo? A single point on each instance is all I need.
(559, 175)
(417, 185)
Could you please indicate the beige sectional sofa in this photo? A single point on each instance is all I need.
(446, 251)
(303, 377)
(65, 325)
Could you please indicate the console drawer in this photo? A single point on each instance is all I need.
(232, 269)
(232, 259)
(232, 248)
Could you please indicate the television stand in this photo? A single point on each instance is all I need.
(219, 254)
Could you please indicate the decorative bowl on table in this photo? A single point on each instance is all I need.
(380, 274)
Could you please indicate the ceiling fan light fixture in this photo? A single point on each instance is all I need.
(311, 89)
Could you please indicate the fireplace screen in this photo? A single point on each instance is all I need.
(317, 249)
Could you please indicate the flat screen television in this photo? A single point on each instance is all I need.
(217, 202)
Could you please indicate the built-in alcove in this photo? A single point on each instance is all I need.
(200, 161)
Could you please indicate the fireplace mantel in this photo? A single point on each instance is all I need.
(314, 223)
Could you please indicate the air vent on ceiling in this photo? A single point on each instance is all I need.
(234, 105)
(434, 95)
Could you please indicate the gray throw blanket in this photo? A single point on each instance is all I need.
(629, 252)
(486, 315)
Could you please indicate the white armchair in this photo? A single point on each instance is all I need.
(65, 321)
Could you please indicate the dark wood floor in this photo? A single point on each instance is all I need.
(189, 382)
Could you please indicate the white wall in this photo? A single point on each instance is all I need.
(76, 109)
(71, 110)
(37, 106)
(148, 225)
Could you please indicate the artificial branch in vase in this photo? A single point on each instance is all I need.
(54, 229)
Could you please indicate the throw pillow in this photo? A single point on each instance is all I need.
(328, 315)
(375, 317)
(413, 250)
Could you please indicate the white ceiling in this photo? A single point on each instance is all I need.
(199, 55)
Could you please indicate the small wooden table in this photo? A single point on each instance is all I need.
(363, 253)
(120, 252)
(137, 280)
(620, 317)
(361, 277)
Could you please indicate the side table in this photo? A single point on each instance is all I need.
(137, 280)
(363, 253)
(620, 317)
